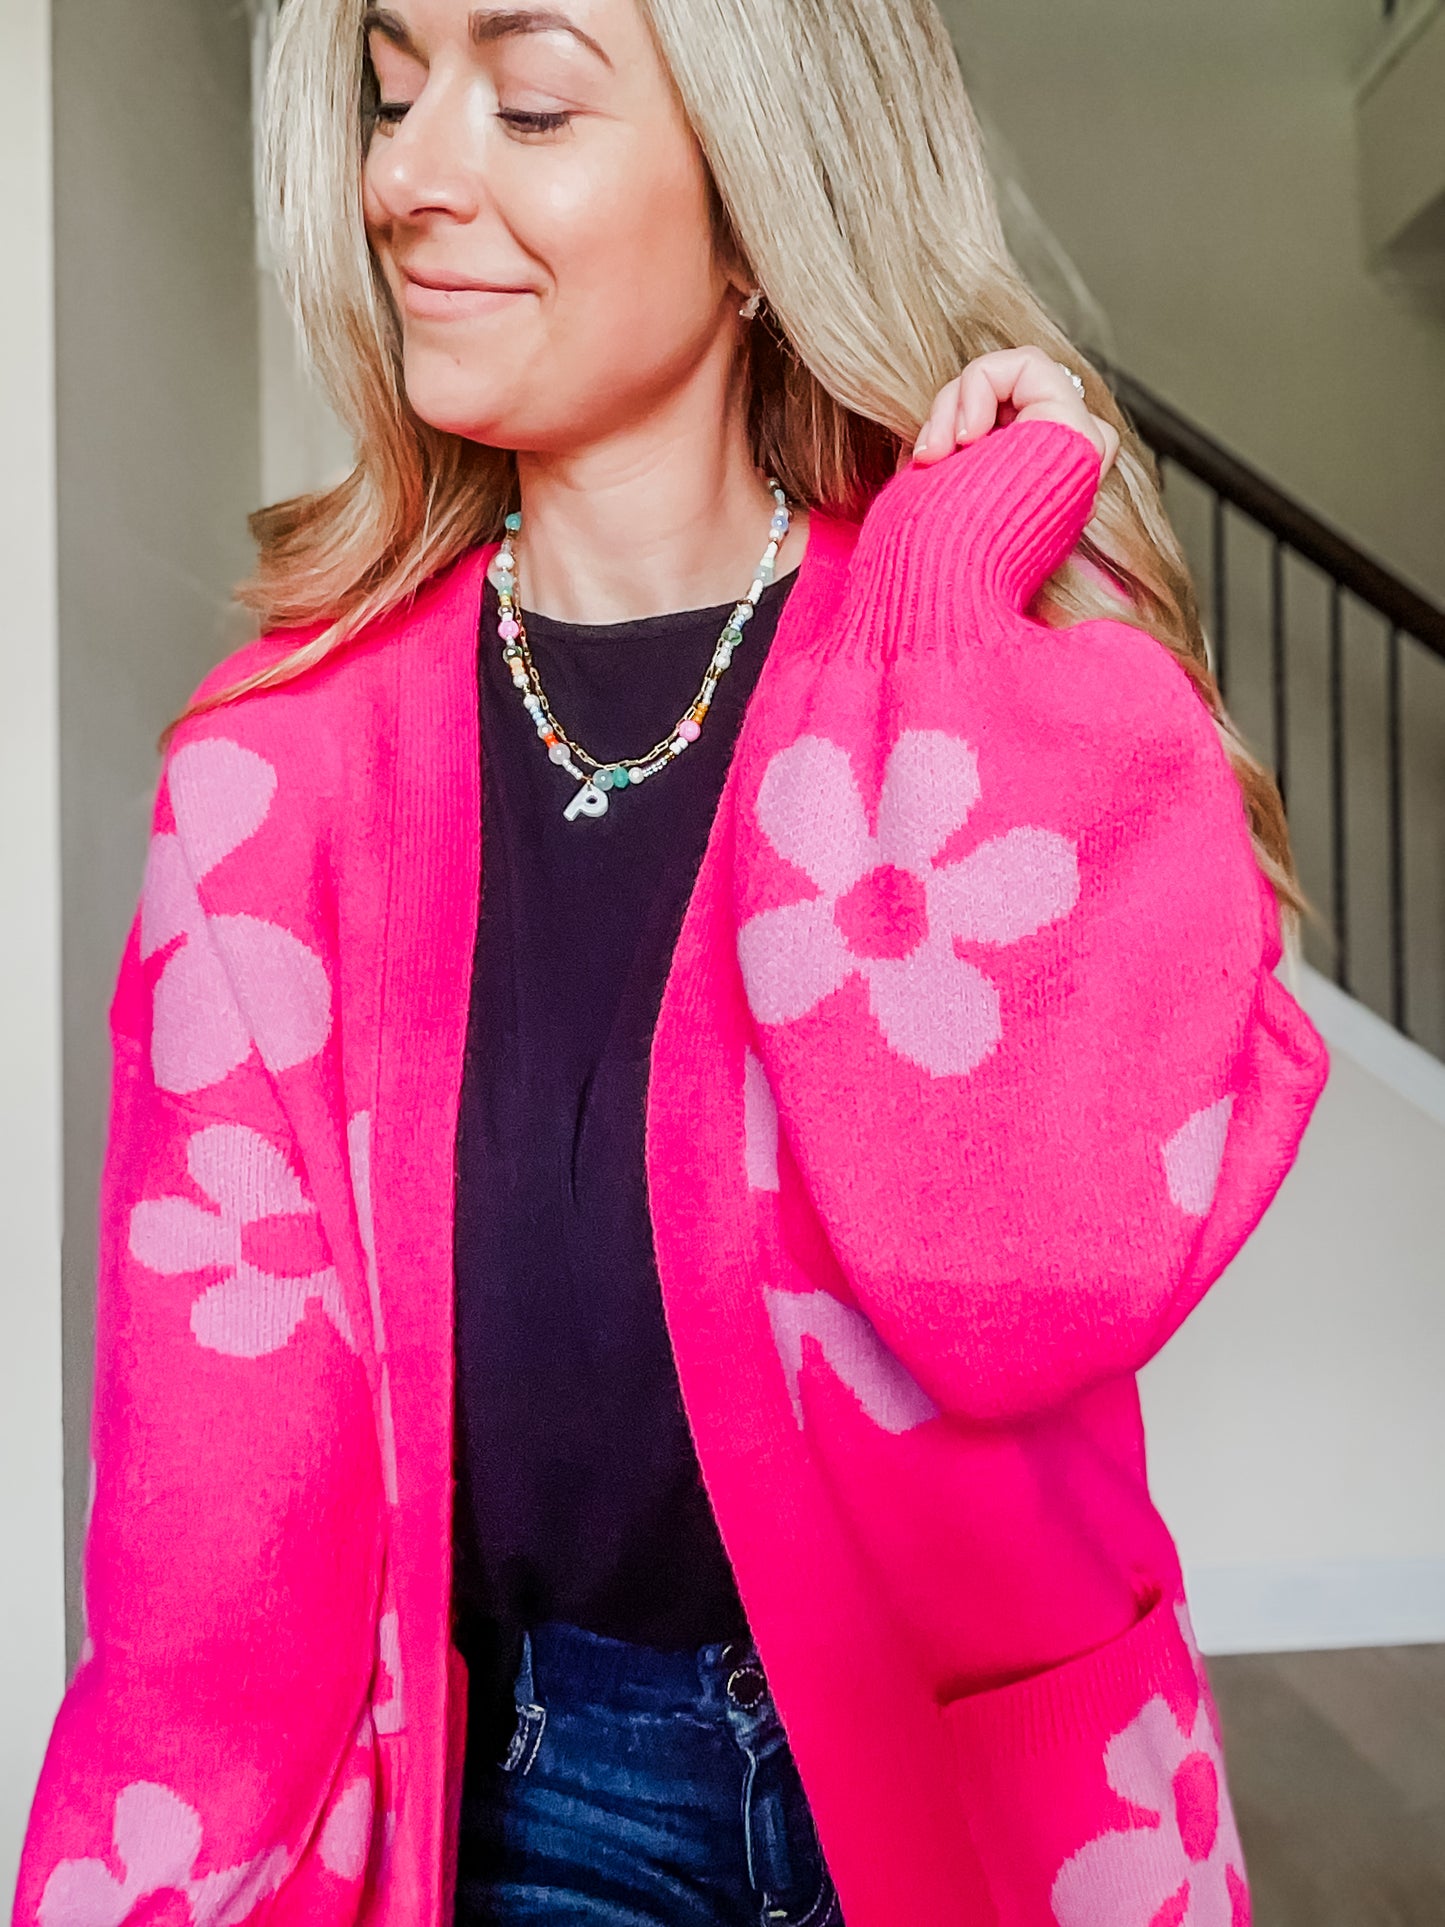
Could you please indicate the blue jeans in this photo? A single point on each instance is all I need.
(641, 1789)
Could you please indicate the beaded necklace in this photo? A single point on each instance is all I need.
(598, 782)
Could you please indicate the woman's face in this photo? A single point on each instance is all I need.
(540, 209)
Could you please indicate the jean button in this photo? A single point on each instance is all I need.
(747, 1687)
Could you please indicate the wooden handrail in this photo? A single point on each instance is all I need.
(1174, 437)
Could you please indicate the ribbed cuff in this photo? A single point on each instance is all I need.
(988, 524)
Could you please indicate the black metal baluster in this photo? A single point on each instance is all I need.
(1278, 669)
(1219, 591)
(1412, 622)
(1339, 827)
(1396, 798)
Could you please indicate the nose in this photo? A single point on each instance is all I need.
(427, 165)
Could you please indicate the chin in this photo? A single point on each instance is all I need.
(474, 410)
(449, 395)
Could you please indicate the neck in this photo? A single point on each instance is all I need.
(664, 514)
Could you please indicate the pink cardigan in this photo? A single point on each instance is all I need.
(971, 1075)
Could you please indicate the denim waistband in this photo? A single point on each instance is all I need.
(589, 1669)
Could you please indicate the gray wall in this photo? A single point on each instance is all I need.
(32, 1647)
(158, 451)
(1199, 164)
(1200, 167)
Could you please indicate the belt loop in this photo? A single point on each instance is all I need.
(526, 1689)
(531, 1717)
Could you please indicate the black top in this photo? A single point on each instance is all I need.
(579, 1494)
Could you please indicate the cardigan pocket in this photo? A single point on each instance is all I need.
(1095, 1791)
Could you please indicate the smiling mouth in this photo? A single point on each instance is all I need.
(432, 301)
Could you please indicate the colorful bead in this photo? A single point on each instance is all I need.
(591, 797)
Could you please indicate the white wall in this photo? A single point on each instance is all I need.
(1199, 164)
(32, 1652)
(1296, 1423)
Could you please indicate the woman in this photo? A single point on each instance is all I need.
(923, 1018)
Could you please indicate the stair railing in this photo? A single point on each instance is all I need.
(1413, 634)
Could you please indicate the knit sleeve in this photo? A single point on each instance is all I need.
(1008, 953)
(212, 1757)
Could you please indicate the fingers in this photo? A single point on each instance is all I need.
(1011, 384)
(939, 431)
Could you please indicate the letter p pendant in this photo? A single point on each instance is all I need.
(589, 801)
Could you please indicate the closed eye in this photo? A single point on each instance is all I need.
(391, 113)
(535, 123)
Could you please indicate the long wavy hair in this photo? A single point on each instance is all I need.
(848, 175)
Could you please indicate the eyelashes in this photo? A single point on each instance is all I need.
(391, 113)
(536, 123)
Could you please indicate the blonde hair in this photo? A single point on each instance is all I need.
(850, 179)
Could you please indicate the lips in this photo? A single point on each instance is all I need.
(441, 298)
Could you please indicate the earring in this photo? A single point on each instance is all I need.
(750, 307)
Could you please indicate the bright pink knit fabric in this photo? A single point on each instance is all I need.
(971, 1075)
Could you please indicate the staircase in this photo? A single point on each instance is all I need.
(1334, 670)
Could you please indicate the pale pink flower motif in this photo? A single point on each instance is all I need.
(760, 1126)
(157, 1840)
(358, 1147)
(881, 1383)
(1194, 1156)
(389, 1707)
(251, 1311)
(885, 909)
(220, 795)
(346, 1836)
(1186, 1858)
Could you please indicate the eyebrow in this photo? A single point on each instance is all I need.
(486, 26)
(498, 24)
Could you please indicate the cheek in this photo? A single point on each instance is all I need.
(635, 234)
